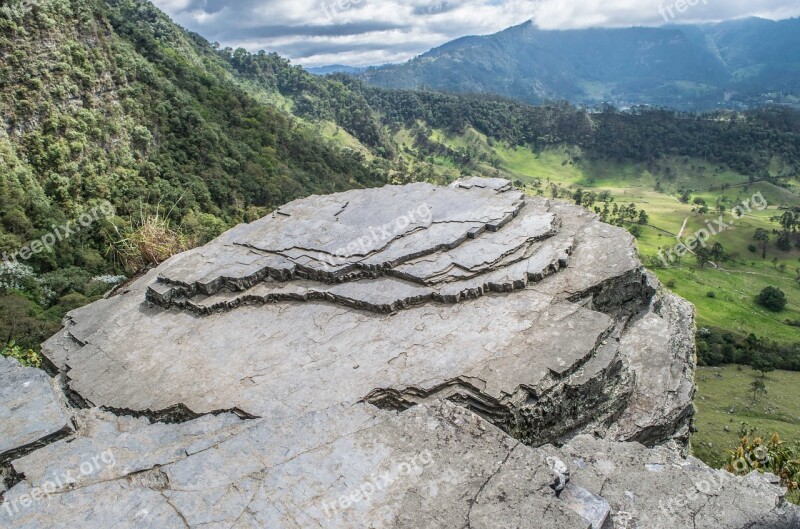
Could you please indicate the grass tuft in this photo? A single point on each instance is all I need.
(149, 242)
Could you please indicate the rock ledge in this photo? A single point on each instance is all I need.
(398, 357)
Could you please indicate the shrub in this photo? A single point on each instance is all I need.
(635, 230)
(772, 456)
(24, 321)
(711, 294)
(772, 298)
(26, 357)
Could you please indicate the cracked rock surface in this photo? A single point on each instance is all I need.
(397, 357)
(30, 409)
(525, 310)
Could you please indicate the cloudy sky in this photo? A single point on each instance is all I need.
(366, 32)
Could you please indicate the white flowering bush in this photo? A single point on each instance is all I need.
(109, 279)
(16, 276)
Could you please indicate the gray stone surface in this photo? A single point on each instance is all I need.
(396, 357)
(436, 465)
(346, 467)
(515, 307)
(658, 489)
(30, 409)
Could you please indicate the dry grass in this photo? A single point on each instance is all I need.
(149, 241)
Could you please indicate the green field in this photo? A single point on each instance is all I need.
(724, 400)
(734, 282)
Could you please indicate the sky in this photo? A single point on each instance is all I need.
(372, 32)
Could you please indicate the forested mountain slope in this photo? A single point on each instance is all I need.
(110, 102)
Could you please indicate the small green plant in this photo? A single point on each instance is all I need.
(711, 294)
(26, 357)
(773, 456)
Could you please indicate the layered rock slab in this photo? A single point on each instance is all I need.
(515, 307)
(358, 332)
(438, 466)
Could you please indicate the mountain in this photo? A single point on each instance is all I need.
(730, 64)
(335, 68)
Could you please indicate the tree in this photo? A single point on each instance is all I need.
(703, 256)
(762, 237)
(717, 251)
(644, 219)
(787, 221)
(578, 196)
(784, 241)
(763, 365)
(772, 298)
(758, 386)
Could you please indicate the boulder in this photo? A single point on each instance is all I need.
(410, 356)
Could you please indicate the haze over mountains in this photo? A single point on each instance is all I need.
(732, 64)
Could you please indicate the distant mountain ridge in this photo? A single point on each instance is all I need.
(336, 68)
(730, 64)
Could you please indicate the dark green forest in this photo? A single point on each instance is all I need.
(109, 104)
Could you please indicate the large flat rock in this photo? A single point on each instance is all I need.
(434, 466)
(398, 357)
(346, 467)
(391, 296)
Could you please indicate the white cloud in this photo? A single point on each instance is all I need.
(362, 32)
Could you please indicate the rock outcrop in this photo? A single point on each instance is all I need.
(31, 410)
(398, 357)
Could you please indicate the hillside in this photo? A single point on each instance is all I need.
(729, 65)
(111, 104)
